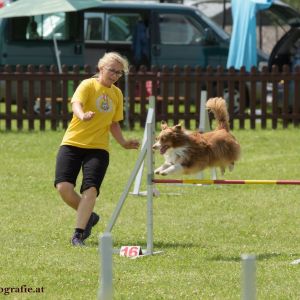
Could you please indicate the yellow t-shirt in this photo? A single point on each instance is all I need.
(107, 103)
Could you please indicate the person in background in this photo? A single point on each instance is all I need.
(140, 42)
(97, 106)
(32, 31)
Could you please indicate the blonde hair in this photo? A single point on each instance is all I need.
(112, 57)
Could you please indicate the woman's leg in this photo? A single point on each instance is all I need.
(68, 194)
(85, 207)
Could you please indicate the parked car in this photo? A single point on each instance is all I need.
(174, 33)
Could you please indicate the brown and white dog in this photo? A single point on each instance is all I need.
(187, 152)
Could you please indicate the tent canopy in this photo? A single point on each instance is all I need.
(23, 8)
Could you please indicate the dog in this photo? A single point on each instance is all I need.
(187, 152)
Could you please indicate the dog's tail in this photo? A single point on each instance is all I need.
(218, 107)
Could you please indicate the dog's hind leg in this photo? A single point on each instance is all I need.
(231, 167)
(177, 168)
(222, 171)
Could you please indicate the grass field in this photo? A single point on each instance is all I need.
(202, 231)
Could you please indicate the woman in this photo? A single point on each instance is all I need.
(97, 106)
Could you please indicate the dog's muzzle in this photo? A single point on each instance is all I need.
(156, 146)
(162, 148)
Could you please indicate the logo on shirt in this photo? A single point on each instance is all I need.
(104, 103)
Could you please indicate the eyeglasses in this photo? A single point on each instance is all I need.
(116, 72)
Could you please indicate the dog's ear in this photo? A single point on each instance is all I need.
(163, 125)
(178, 127)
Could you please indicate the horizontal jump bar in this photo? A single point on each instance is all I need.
(209, 181)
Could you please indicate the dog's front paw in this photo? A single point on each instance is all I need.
(163, 173)
(157, 171)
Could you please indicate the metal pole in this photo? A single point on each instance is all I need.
(150, 119)
(150, 174)
(150, 132)
(203, 116)
(57, 54)
(106, 272)
(204, 126)
(248, 277)
(56, 50)
(126, 191)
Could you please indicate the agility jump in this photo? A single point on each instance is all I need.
(146, 155)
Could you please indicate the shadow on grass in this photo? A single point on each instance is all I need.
(262, 256)
(157, 244)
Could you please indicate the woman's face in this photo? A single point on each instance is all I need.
(110, 73)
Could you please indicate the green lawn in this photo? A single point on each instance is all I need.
(202, 231)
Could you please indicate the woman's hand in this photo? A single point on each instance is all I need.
(87, 116)
(80, 114)
(116, 131)
(131, 144)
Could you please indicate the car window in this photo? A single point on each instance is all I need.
(213, 25)
(179, 30)
(52, 24)
(121, 26)
(285, 15)
(43, 27)
(94, 26)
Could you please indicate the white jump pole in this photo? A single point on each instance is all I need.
(126, 190)
(204, 127)
(106, 270)
(150, 119)
(132, 177)
(150, 134)
(203, 116)
(248, 277)
(150, 175)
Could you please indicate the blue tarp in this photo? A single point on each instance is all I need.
(242, 50)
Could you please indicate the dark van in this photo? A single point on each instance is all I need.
(147, 33)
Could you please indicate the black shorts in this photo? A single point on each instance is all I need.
(70, 160)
